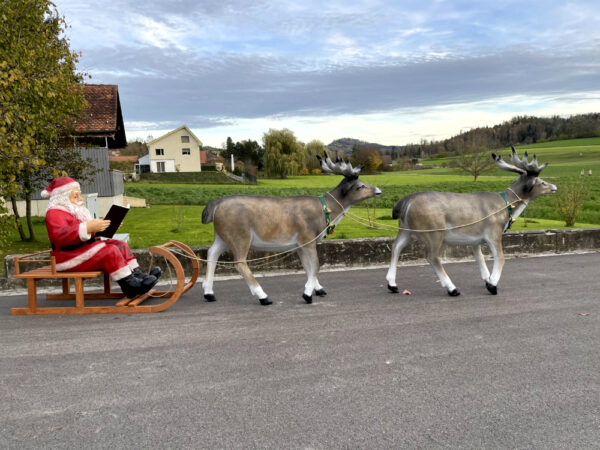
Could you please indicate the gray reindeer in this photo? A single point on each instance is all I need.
(274, 224)
(485, 214)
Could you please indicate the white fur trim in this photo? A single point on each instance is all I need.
(81, 258)
(64, 188)
(45, 194)
(133, 264)
(83, 234)
(60, 208)
(120, 273)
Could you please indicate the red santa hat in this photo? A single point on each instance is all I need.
(60, 186)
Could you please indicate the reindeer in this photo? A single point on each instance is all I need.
(467, 219)
(279, 224)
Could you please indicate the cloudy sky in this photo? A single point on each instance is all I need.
(391, 72)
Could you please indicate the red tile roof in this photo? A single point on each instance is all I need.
(102, 114)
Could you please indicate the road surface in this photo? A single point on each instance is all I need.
(359, 368)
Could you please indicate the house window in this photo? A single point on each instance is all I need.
(160, 151)
(160, 166)
(185, 151)
(185, 139)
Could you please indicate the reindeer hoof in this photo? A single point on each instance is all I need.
(393, 289)
(493, 289)
(454, 293)
(307, 298)
(321, 292)
(265, 301)
(210, 297)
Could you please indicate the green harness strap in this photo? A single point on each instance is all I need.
(327, 219)
(510, 211)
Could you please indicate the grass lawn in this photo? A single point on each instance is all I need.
(161, 223)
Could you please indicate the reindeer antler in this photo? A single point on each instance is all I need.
(501, 164)
(340, 167)
(532, 168)
(522, 166)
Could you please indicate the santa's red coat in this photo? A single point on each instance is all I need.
(77, 251)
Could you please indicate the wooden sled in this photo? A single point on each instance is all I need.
(123, 305)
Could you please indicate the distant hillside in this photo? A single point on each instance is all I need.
(517, 131)
(346, 144)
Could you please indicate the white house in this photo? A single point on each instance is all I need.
(177, 151)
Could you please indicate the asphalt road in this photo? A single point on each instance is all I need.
(359, 368)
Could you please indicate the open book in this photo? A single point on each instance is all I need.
(115, 214)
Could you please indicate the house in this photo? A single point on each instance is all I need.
(386, 162)
(177, 151)
(98, 129)
(143, 164)
(101, 124)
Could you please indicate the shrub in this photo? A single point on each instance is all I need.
(569, 198)
(208, 177)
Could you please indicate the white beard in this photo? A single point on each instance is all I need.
(81, 212)
(62, 202)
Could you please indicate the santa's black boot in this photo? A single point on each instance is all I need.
(137, 273)
(148, 283)
(131, 286)
(155, 272)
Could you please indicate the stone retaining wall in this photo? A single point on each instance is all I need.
(362, 252)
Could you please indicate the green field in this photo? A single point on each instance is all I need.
(175, 209)
(566, 160)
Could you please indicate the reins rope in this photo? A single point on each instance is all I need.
(285, 253)
(363, 221)
(358, 219)
(164, 294)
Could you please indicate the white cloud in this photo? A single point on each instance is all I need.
(386, 70)
(397, 127)
(161, 34)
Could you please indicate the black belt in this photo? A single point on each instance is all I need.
(70, 248)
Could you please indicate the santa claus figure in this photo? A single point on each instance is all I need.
(71, 230)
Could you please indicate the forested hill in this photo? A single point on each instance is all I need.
(347, 144)
(519, 130)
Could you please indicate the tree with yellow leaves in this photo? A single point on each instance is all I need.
(40, 95)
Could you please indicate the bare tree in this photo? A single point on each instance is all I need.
(474, 159)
